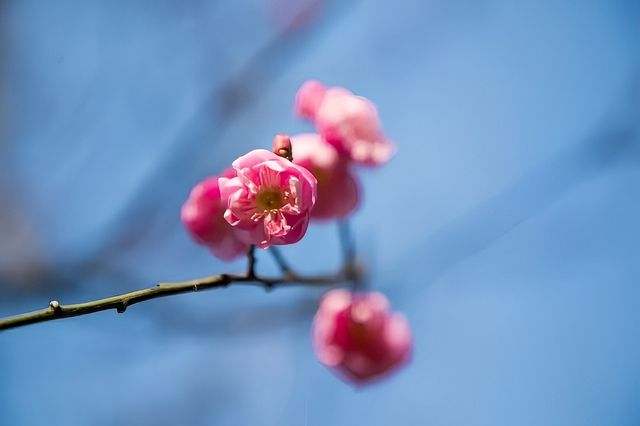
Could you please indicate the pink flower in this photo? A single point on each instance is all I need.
(359, 337)
(338, 189)
(270, 199)
(203, 216)
(308, 99)
(348, 122)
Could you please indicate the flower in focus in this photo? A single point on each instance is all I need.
(338, 189)
(269, 200)
(348, 122)
(357, 335)
(203, 216)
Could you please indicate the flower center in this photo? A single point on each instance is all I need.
(269, 199)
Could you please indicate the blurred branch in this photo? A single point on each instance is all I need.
(348, 246)
(127, 225)
(121, 302)
(138, 215)
(252, 79)
(615, 142)
(280, 261)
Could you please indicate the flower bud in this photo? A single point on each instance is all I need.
(359, 337)
(338, 188)
(203, 216)
(282, 146)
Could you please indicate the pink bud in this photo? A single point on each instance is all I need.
(203, 216)
(270, 199)
(347, 121)
(309, 98)
(358, 336)
(338, 188)
(282, 146)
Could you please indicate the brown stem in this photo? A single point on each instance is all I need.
(251, 262)
(123, 301)
(286, 270)
(350, 272)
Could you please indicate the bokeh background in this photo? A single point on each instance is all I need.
(506, 228)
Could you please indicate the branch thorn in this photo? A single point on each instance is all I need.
(55, 306)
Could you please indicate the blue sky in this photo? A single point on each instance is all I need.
(505, 228)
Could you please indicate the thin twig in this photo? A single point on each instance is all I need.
(349, 255)
(348, 273)
(280, 261)
(251, 262)
(346, 242)
(123, 301)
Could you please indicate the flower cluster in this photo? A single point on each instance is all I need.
(348, 122)
(267, 198)
(263, 200)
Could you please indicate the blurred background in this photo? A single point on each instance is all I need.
(517, 181)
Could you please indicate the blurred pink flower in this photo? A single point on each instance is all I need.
(308, 99)
(270, 199)
(338, 189)
(348, 122)
(358, 336)
(203, 216)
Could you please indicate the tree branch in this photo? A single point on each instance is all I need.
(350, 272)
(123, 301)
(280, 261)
(356, 277)
(251, 262)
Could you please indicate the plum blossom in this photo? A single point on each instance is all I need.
(338, 188)
(269, 200)
(359, 337)
(349, 122)
(203, 216)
